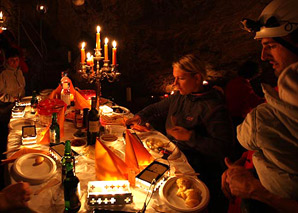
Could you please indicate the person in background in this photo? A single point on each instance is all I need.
(14, 196)
(241, 97)
(197, 120)
(12, 88)
(271, 129)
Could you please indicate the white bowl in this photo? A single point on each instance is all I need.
(108, 139)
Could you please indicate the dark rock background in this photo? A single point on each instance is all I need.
(150, 34)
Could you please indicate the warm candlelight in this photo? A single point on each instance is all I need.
(1, 15)
(114, 53)
(83, 56)
(98, 37)
(106, 51)
(89, 59)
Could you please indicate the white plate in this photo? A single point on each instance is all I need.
(125, 111)
(26, 169)
(168, 193)
(17, 124)
(168, 146)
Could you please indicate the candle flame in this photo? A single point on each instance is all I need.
(114, 44)
(1, 15)
(88, 55)
(106, 40)
(98, 29)
(83, 45)
(41, 7)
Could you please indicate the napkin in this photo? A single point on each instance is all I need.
(108, 166)
(136, 155)
(23, 151)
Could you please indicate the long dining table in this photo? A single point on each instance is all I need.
(48, 196)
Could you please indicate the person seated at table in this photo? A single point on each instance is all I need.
(270, 129)
(15, 196)
(197, 120)
(12, 87)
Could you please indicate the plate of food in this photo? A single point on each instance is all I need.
(120, 110)
(158, 145)
(185, 194)
(34, 168)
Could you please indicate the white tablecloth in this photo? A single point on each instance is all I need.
(52, 199)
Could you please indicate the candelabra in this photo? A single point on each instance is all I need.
(97, 71)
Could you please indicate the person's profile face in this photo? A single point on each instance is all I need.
(186, 82)
(13, 61)
(277, 55)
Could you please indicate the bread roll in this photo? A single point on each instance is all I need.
(183, 183)
(193, 197)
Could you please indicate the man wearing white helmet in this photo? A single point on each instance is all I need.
(271, 129)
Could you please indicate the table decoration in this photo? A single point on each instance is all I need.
(97, 71)
(136, 155)
(109, 193)
(108, 166)
(156, 172)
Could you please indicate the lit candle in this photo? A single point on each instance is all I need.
(1, 15)
(114, 53)
(83, 56)
(89, 59)
(106, 51)
(98, 37)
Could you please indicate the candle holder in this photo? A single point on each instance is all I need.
(99, 73)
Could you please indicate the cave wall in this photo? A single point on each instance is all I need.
(150, 35)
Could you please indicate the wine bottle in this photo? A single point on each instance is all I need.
(71, 189)
(67, 158)
(93, 123)
(34, 102)
(54, 130)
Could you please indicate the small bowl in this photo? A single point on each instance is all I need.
(78, 143)
(108, 138)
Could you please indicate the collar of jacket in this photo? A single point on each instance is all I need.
(204, 95)
(11, 68)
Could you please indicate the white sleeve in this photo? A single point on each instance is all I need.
(246, 132)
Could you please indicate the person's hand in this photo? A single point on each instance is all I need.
(16, 195)
(134, 120)
(241, 181)
(179, 133)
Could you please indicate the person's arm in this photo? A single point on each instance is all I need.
(15, 196)
(155, 111)
(215, 136)
(243, 184)
(4, 97)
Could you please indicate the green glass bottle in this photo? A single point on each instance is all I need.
(34, 102)
(54, 130)
(93, 123)
(71, 190)
(67, 158)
